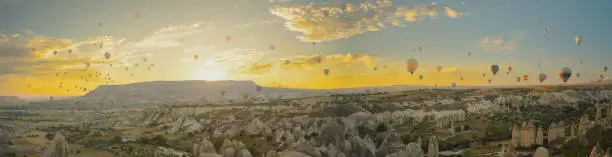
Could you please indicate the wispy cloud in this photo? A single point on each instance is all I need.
(497, 44)
(337, 21)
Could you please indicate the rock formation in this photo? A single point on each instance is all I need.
(58, 147)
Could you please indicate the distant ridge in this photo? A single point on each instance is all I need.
(11, 100)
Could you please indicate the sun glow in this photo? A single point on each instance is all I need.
(212, 74)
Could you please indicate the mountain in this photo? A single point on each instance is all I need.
(11, 101)
(181, 92)
(173, 92)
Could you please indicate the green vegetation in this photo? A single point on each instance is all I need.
(467, 153)
(116, 139)
(158, 140)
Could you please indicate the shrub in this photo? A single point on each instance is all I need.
(382, 127)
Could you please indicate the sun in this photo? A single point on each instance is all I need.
(212, 74)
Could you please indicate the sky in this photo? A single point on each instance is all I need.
(53, 47)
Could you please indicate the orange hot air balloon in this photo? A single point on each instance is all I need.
(99, 24)
(525, 77)
(195, 57)
(137, 15)
(518, 79)
(144, 59)
(228, 38)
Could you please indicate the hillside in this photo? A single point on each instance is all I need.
(11, 100)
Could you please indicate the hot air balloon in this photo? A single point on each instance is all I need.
(137, 15)
(518, 79)
(412, 65)
(545, 31)
(33, 49)
(469, 53)
(99, 24)
(525, 78)
(454, 84)
(565, 74)
(55, 52)
(600, 78)
(144, 59)
(222, 93)
(494, 69)
(326, 13)
(581, 62)
(314, 43)
(578, 40)
(228, 38)
(326, 71)
(87, 65)
(605, 68)
(384, 66)
(461, 78)
(51, 98)
(272, 47)
(483, 74)
(439, 68)
(107, 55)
(577, 75)
(375, 68)
(509, 69)
(420, 77)
(542, 77)
(489, 81)
(69, 51)
(195, 57)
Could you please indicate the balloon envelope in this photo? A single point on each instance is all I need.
(439, 68)
(542, 77)
(326, 71)
(412, 65)
(565, 74)
(494, 69)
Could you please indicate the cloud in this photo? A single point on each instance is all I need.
(307, 62)
(255, 68)
(497, 44)
(346, 20)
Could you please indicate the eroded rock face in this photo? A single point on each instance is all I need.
(58, 147)
(541, 152)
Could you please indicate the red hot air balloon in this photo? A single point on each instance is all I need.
(605, 68)
(228, 38)
(525, 77)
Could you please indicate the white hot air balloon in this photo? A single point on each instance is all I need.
(578, 40)
(412, 65)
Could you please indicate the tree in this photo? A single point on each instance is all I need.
(116, 139)
(382, 127)
(467, 153)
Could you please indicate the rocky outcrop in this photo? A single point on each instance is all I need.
(541, 152)
(58, 147)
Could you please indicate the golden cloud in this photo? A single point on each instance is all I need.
(325, 23)
(41, 60)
